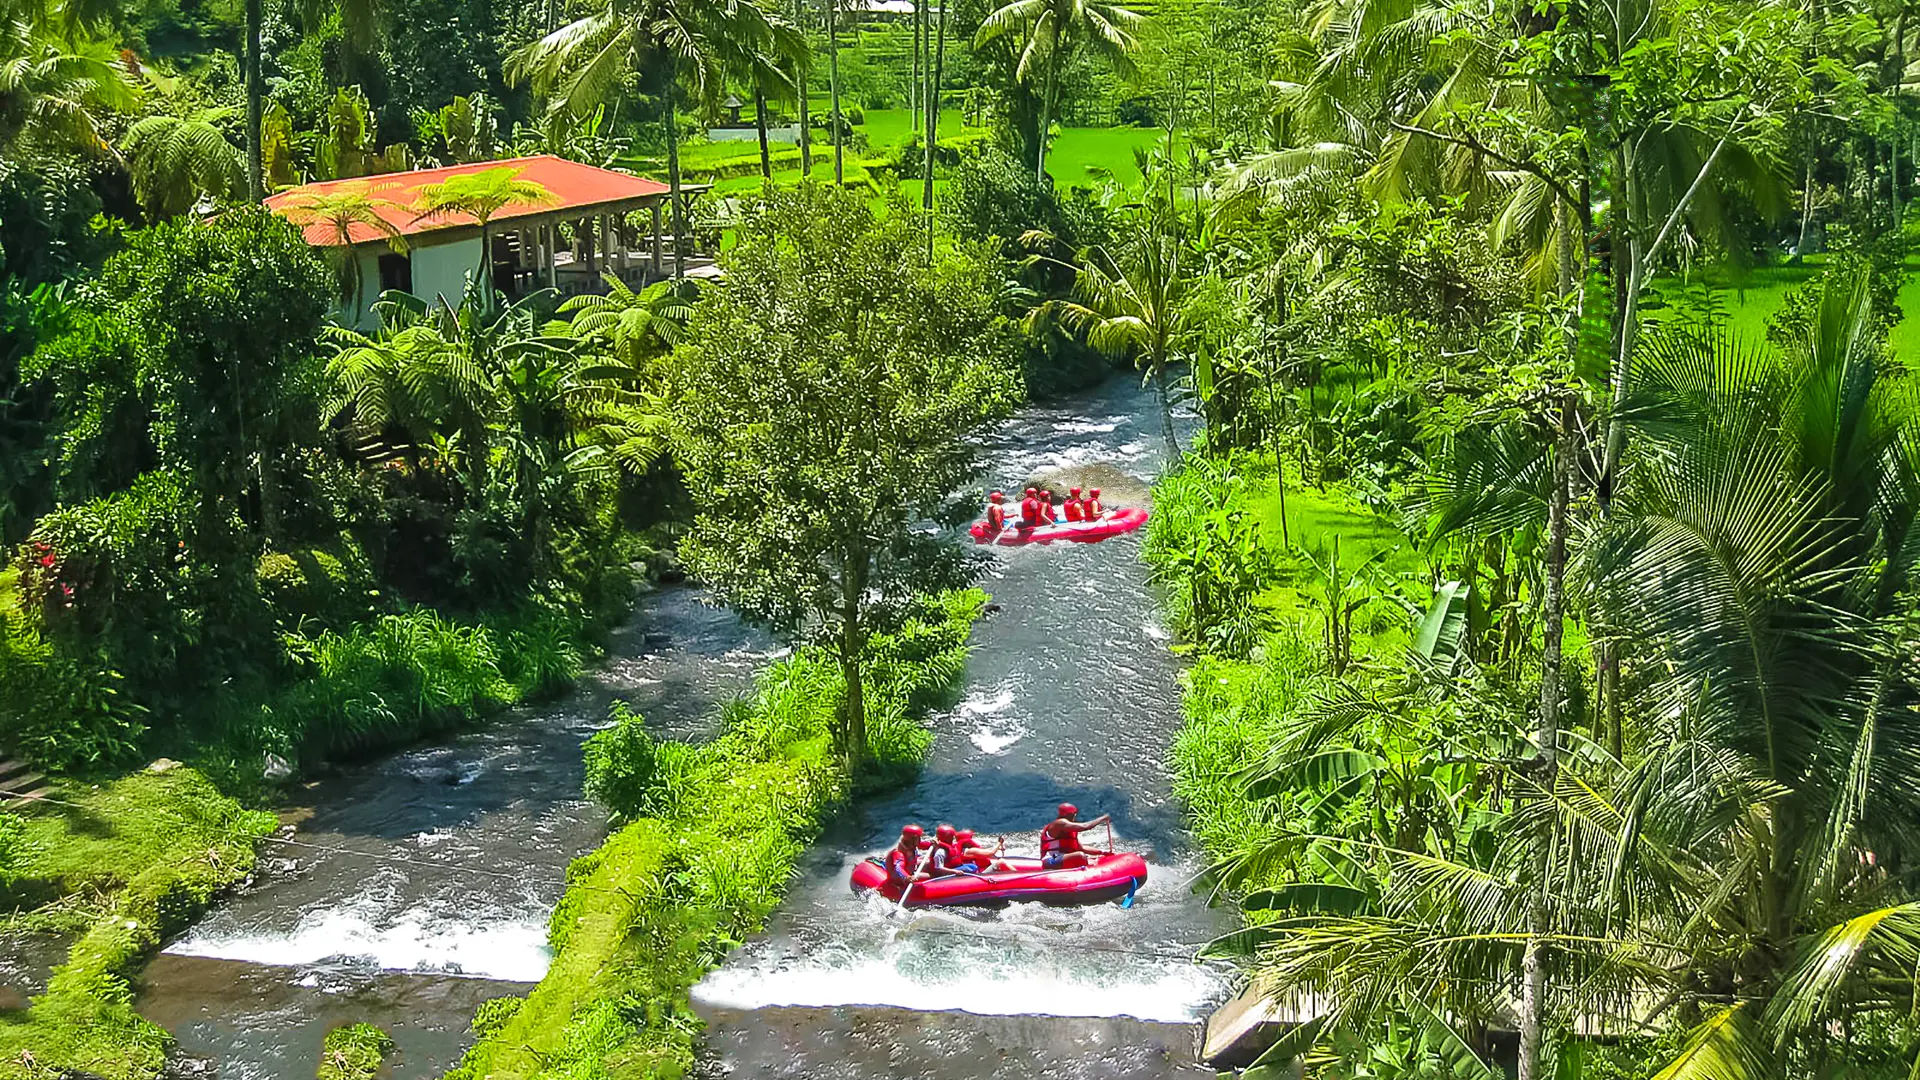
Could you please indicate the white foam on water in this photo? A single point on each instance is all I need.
(1146, 992)
(508, 947)
(992, 739)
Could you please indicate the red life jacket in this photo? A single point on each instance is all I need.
(1030, 512)
(996, 517)
(1091, 508)
(1046, 507)
(901, 864)
(1066, 843)
(1076, 511)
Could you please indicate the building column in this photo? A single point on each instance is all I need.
(553, 255)
(656, 238)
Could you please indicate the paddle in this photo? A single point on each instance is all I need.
(912, 881)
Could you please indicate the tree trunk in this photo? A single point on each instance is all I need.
(933, 112)
(801, 73)
(1533, 990)
(486, 268)
(1046, 112)
(853, 726)
(760, 122)
(679, 210)
(256, 92)
(1166, 410)
(833, 88)
(915, 74)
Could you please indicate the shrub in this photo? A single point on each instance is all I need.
(58, 713)
(620, 763)
(319, 587)
(397, 678)
(353, 1052)
(541, 655)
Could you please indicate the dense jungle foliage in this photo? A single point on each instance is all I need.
(1545, 555)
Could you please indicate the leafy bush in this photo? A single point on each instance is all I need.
(58, 713)
(620, 763)
(399, 677)
(318, 587)
(541, 656)
(353, 1052)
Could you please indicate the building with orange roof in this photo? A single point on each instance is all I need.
(567, 242)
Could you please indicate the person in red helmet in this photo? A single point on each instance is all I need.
(996, 513)
(1030, 509)
(1091, 507)
(1060, 840)
(946, 856)
(904, 862)
(1046, 504)
(1075, 509)
(979, 860)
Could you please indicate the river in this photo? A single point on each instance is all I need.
(419, 885)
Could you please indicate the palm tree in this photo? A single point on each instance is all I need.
(480, 195)
(1050, 31)
(578, 66)
(178, 160)
(1128, 301)
(339, 210)
(1734, 871)
(54, 95)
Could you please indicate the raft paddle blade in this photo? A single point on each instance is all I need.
(1128, 901)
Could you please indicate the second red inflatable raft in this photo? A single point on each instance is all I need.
(1112, 523)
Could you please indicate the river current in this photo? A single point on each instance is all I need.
(418, 886)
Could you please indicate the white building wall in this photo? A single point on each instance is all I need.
(444, 269)
(438, 270)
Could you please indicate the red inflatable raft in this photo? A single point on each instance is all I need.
(1106, 877)
(1112, 523)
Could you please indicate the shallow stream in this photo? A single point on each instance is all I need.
(419, 886)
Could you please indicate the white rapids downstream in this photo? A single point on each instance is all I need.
(1070, 694)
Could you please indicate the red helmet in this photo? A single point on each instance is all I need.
(944, 834)
(1076, 491)
(1096, 493)
(963, 835)
(1031, 492)
(996, 496)
(1067, 810)
(912, 832)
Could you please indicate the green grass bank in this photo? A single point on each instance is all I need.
(710, 838)
(123, 865)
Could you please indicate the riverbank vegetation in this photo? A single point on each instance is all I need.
(709, 839)
(353, 1052)
(1551, 689)
(119, 867)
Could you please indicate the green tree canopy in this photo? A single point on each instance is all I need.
(826, 390)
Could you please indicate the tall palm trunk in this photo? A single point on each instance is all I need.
(933, 112)
(256, 92)
(916, 71)
(1533, 988)
(1046, 109)
(760, 122)
(679, 215)
(833, 88)
(801, 72)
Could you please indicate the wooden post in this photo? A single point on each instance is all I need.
(553, 255)
(620, 244)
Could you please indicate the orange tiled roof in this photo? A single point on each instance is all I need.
(575, 187)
